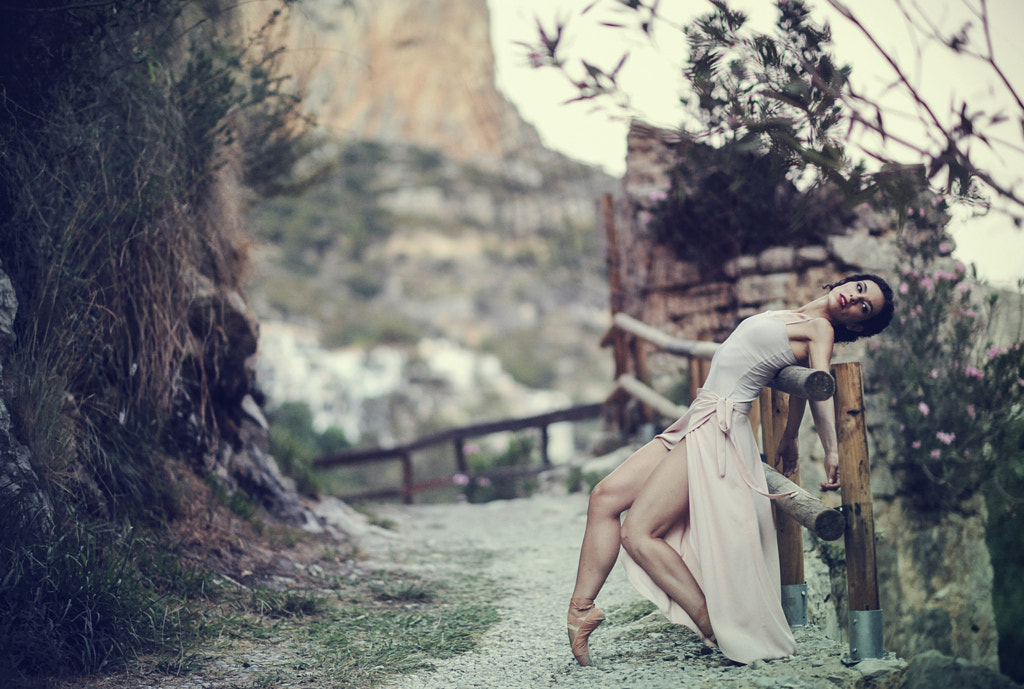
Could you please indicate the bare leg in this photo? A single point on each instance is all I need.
(609, 499)
(663, 502)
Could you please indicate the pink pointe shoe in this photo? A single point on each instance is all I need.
(584, 618)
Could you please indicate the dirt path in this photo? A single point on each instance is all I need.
(532, 547)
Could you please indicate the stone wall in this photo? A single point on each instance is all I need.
(934, 573)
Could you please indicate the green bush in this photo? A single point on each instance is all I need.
(487, 482)
(295, 444)
(956, 399)
(957, 407)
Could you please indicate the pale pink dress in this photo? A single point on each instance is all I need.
(729, 541)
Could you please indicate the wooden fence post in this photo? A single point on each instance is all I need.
(545, 458)
(616, 299)
(791, 543)
(460, 456)
(855, 476)
(408, 489)
(774, 409)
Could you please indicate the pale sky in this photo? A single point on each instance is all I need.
(652, 77)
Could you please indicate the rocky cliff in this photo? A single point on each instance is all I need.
(403, 72)
(435, 214)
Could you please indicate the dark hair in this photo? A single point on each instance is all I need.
(877, 323)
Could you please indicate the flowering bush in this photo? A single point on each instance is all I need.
(494, 476)
(957, 401)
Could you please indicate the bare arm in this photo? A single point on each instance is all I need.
(788, 450)
(819, 356)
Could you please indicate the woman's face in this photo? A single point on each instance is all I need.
(853, 302)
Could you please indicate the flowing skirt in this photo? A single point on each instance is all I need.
(728, 542)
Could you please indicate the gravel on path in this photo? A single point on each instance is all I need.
(532, 547)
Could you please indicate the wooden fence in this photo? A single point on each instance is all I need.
(855, 522)
(457, 437)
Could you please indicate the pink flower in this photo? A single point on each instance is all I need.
(658, 195)
(1020, 382)
(934, 373)
(927, 283)
(963, 287)
(973, 372)
(483, 481)
(969, 313)
(916, 444)
(460, 479)
(960, 267)
(903, 288)
(944, 247)
(971, 411)
(935, 454)
(923, 408)
(946, 438)
(995, 351)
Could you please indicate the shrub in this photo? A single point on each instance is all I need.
(957, 407)
(488, 482)
(295, 444)
(957, 400)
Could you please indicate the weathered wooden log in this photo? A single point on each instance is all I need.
(787, 530)
(662, 340)
(825, 522)
(811, 383)
(650, 397)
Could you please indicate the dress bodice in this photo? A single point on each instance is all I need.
(751, 356)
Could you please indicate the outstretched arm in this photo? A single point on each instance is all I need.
(788, 450)
(824, 415)
(819, 356)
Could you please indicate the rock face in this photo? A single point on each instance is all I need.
(489, 239)
(400, 71)
(936, 582)
(19, 486)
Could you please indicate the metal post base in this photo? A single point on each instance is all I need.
(865, 636)
(794, 604)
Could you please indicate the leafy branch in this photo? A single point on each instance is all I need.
(782, 93)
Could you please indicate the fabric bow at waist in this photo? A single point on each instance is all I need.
(708, 404)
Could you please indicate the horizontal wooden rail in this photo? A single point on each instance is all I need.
(442, 482)
(662, 340)
(810, 383)
(373, 454)
(663, 405)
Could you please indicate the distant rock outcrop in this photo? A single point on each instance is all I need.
(402, 72)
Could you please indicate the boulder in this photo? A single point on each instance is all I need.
(933, 670)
